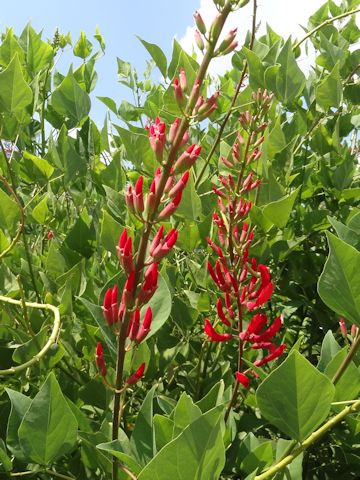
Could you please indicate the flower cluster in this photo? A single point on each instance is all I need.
(151, 203)
(244, 283)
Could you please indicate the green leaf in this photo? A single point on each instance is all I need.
(290, 80)
(256, 69)
(49, 428)
(348, 386)
(70, 101)
(190, 206)
(260, 457)
(40, 212)
(15, 93)
(142, 438)
(19, 406)
(115, 448)
(295, 397)
(25, 352)
(83, 46)
(36, 168)
(278, 212)
(81, 237)
(213, 398)
(329, 349)
(163, 428)
(38, 53)
(110, 232)
(338, 285)
(345, 233)
(9, 47)
(275, 141)
(160, 305)
(5, 461)
(138, 149)
(9, 212)
(198, 453)
(329, 92)
(185, 413)
(157, 55)
(180, 59)
(109, 102)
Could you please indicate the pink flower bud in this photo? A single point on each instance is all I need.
(343, 328)
(124, 249)
(145, 327)
(199, 22)
(183, 80)
(199, 41)
(99, 359)
(149, 285)
(170, 207)
(179, 94)
(157, 138)
(138, 196)
(110, 305)
(129, 200)
(134, 324)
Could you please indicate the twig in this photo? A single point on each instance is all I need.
(52, 339)
(345, 363)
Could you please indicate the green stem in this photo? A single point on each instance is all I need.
(345, 363)
(323, 24)
(315, 436)
(52, 339)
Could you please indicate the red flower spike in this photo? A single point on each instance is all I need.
(180, 185)
(255, 326)
(157, 138)
(221, 314)
(145, 327)
(214, 335)
(135, 377)
(99, 360)
(243, 379)
(272, 356)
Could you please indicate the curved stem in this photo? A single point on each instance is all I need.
(52, 339)
(309, 441)
(323, 24)
(345, 363)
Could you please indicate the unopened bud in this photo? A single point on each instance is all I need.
(200, 22)
(199, 41)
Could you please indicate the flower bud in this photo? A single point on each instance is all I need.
(199, 41)
(200, 22)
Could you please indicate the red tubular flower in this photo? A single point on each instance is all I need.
(129, 199)
(157, 239)
(135, 377)
(243, 379)
(221, 314)
(157, 138)
(216, 249)
(134, 323)
(343, 328)
(99, 359)
(170, 207)
(110, 305)
(180, 185)
(145, 326)
(272, 356)
(149, 285)
(187, 159)
(269, 333)
(214, 335)
(124, 249)
(265, 290)
(164, 247)
(178, 92)
(255, 326)
(128, 290)
(138, 196)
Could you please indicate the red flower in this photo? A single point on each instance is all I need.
(214, 335)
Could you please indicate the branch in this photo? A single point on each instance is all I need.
(52, 339)
(323, 24)
(309, 441)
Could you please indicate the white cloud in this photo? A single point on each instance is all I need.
(284, 17)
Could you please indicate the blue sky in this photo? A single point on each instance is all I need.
(119, 21)
(158, 21)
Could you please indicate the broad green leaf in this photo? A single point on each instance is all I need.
(82, 47)
(295, 397)
(329, 92)
(19, 406)
(95, 393)
(9, 47)
(142, 438)
(275, 142)
(40, 212)
(25, 352)
(198, 453)
(279, 212)
(36, 168)
(157, 55)
(260, 457)
(180, 59)
(115, 449)
(15, 93)
(70, 101)
(190, 206)
(38, 53)
(138, 149)
(81, 236)
(354, 222)
(109, 102)
(256, 69)
(290, 80)
(345, 233)
(185, 413)
(160, 305)
(9, 212)
(329, 349)
(338, 285)
(348, 386)
(213, 398)
(49, 428)
(110, 232)
(163, 427)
